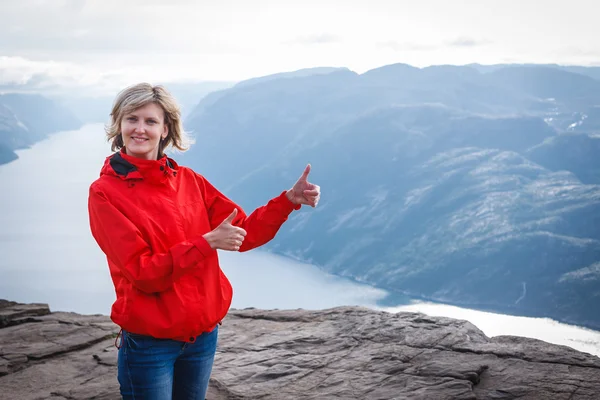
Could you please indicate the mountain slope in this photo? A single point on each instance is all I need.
(26, 119)
(444, 183)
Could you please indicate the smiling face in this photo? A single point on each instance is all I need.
(142, 130)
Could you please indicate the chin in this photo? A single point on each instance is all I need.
(139, 151)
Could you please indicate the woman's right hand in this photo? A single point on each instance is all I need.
(226, 236)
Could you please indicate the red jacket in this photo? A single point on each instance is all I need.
(148, 217)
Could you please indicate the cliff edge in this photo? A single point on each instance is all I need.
(340, 353)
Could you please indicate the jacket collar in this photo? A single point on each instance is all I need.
(132, 168)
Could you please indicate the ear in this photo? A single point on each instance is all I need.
(166, 132)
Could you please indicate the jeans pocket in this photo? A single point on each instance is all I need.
(137, 342)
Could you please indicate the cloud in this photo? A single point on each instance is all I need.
(75, 30)
(408, 46)
(418, 46)
(323, 38)
(577, 51)
(467, 42)
(24, 75)
(75, 5)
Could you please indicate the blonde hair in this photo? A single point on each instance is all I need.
(139, 95)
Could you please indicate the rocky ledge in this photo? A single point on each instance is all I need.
(340, 353)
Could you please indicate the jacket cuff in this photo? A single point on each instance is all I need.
(202, 245)
(289, 206)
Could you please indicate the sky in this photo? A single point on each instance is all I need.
(104, 44)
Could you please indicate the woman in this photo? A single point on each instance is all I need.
(160, 226)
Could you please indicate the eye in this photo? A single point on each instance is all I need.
(131, 119)
(151, 121)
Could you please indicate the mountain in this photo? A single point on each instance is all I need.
(97, 108)
(574, 152)
(576, 149)
(26, 119)
(6, 154)
(588, 121)
(573, 91)
(592, 72)
(340, 353)
(292, 74)
(189, 94)
(445, 183)
(88, 109)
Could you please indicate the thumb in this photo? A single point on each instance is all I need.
(305, 173)
(231, 217)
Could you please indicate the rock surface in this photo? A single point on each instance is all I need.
(341, 353)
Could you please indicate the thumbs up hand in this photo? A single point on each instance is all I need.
(226, 236)
(304, 192)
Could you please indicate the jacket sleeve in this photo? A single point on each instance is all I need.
(124, 245)
(261, 226)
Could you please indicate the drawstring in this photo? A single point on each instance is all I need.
(118, 346)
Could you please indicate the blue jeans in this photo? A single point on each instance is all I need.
(163, 369)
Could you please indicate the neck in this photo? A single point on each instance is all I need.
(152, 157)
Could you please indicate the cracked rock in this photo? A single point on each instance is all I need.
(340, 353)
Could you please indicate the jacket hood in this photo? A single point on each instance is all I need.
(127, 167)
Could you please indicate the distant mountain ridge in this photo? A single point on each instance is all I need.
(28, 118)
(97, 109)
(291, 74)
(471, 187)
(592, 71)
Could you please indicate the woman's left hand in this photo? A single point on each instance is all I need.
(304, 192)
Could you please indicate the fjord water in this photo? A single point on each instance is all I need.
(48, 255)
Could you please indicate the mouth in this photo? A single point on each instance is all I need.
(138, 139)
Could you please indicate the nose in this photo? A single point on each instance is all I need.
(139, 127)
